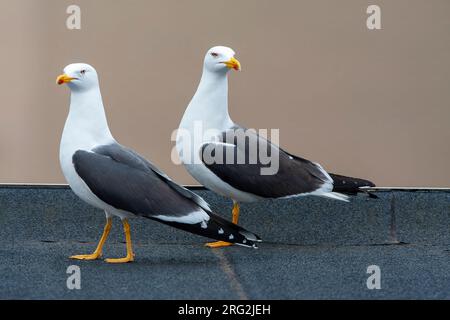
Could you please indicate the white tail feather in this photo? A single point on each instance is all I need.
(336, 195)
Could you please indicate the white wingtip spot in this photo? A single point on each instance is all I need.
(231, 237)
(220, 231)
(194, 217)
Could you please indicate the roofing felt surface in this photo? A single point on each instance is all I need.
(313, 248)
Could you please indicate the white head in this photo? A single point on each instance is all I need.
(221, 59)
(79, 77)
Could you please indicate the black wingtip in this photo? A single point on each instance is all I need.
(369, 184)
(250, 239)
(254, 245)
(368, 193)
(220, 229)
(372, 195)
(352, 186)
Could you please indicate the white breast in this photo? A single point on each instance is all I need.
(208, 110)
(190, 157)
(70, 143)
(85, 128)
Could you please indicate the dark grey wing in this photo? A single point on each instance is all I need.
(134, 160)
(250, 169)
(125, 183)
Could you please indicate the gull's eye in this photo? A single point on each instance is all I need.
(215, 55)
(82, 72)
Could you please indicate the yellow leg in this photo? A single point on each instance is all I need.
(130, 254)
(98, 251)
(235, 212)
(235, 219)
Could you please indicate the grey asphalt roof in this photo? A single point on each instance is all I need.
(313, 248)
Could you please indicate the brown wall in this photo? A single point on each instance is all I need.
(374, 104)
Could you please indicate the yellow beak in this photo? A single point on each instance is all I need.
(233, 64)
(64, 78)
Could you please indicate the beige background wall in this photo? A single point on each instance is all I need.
(374, 104)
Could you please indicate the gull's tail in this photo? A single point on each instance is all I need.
(219, 229)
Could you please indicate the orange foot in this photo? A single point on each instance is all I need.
(218, 244)
(93, 256)
(128, 258)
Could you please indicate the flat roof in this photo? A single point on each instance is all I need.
(313, 248)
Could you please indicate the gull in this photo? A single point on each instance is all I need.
(119, 181)
(244, 182)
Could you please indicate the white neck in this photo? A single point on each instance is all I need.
(86, 125)
(210, 103)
